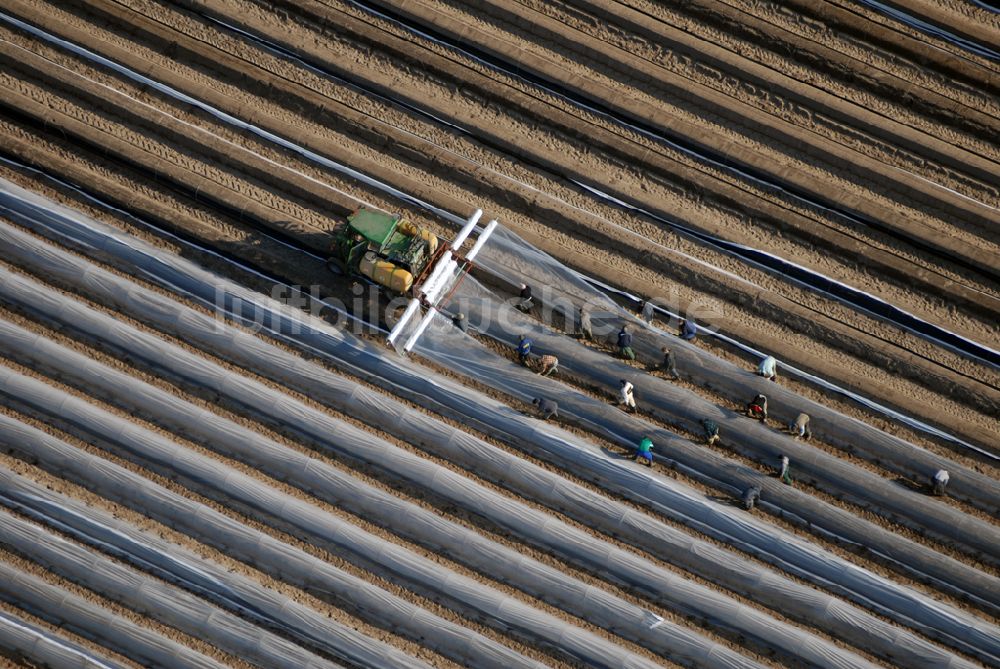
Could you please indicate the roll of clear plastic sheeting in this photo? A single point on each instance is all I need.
(726, 568)
(261, 551)
(677, 405)
(511, 258)
(23, 642)
(423, 575)
(408, 520)
(451, 399)
(160, 601)
(76, 614)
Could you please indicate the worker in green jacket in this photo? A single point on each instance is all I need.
(644, 453)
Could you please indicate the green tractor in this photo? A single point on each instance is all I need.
(386, 249)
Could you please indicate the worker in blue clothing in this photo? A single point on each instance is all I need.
(689, 329)
(625, 344)
(800, 427)
(523, 349)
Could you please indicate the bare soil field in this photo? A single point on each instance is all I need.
(735, 160)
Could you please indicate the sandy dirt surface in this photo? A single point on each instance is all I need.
(832, 339)
(822, 133)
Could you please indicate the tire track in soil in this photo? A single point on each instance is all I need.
(633, 92)
(772, 91)
(890, 89)
(385, 482)
(969, 40)
(84, 441)
(909, 274)
(859, 31)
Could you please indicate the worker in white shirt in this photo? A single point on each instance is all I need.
(625, 395)
(768, 368)
(939, 481)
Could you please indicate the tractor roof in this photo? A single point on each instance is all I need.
(374, 226)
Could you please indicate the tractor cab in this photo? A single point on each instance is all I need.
(386, 249)
(390, 251)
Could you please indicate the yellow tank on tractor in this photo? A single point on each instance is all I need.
(385, 249)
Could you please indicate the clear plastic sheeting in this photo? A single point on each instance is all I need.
(261, 551)
(723, 567)
(516, 260)
(934, 30)
(679, 406)
(941, 622)
(450, 348)
(211, 478)
(195, 574)
(76, 614)
(162, 602)
(38, 647)
(405, 519)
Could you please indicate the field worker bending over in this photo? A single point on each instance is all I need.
(523, 349)
(768, 368)
(750, 497)
(689, 330)
(711, 431)
(800, 428)
(525, 303)
(584, 329)
(757, 408)
(548, 408)
(646, 311)
(625, 395)
(644, 452)
(625, 344)
(460, 322)
(549, 365)
(669, 364)
(939, 482)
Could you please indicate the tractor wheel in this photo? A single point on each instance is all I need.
(336, 265)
